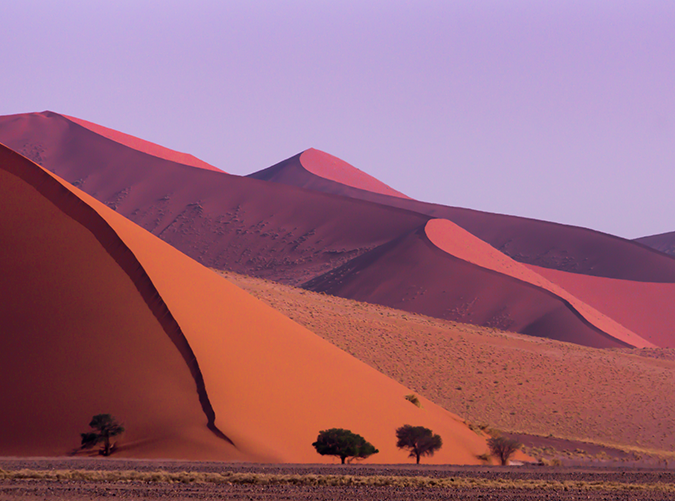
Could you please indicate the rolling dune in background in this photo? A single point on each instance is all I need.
(529, 241)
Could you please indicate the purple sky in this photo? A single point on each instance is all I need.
(557, 110)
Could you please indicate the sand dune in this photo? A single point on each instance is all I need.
(414, 274)
(227, 222)
(550, 245)
(294, 235)
(321, 166)
(142, 145)
(459, 243)
(504, 380)
(664, 242)
(645, 308)
(99, 316)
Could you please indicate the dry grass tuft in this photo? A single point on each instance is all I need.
(233, 478)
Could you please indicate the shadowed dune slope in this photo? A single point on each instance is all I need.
(228, 222)
(143, 146)
(85, 336)
(664, 242)
(78, 335)
(413, 274)
(550, 245)
(322, 166)
(645, 308)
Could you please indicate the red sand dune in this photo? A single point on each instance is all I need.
(227, 222)
(143, 146)
(645, 308)
(461, 244)
(294, 235)
(664, 242)
(100, 316)
(412, 273)
(322, 166)
(530, 241)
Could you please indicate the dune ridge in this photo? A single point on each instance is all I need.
(645, 308)
(272, 383)
(142, 145)
(459, 243)
(663, 242)
(312, 167)
(412, 273)
(529, 241)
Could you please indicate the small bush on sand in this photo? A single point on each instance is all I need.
(503, 448)
(343, 444)
(105, 427)
(414, 399)
(420, 441)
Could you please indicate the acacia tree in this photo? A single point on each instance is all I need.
(419, 440)
(503, 448)
(105, 427)
(344, 444)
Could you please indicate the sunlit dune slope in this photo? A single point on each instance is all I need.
(507, 381)
(312, 168)
(550, 245)
(143, 146)
(664, 242)
(645, 308)
(412, 273)
(101, 316)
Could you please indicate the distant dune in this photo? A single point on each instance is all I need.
(414, 274)
(143, 146)
(664, 242)
(530, 241)
(100, 316)
(312, 166)
(645, 308)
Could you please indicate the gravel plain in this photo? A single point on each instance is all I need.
(635, 484)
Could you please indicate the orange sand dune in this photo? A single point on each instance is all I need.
(100, 316)
(530, 241)
(413, 273)
(315, 165)
(645, 308)
(459, 243)
(664, 242)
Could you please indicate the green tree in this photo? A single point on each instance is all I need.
(503, 448)
(105, 427)
(344, 444)
(419, 440)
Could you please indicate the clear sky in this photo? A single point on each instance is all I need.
(558, 110)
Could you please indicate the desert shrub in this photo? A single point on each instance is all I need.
(420, 441)
(105, 427)
(343, 444)
(414, 399)
(503, 448)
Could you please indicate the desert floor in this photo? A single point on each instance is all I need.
(496, 483)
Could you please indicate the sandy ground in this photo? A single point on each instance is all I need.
(640, 482)
(503, 380)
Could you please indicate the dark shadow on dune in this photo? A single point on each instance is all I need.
(85, 215)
